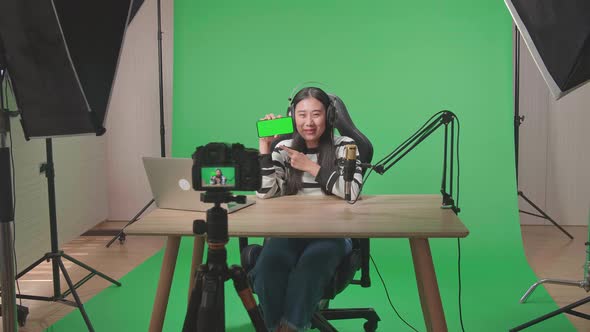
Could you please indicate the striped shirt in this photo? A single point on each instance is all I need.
(274, 168)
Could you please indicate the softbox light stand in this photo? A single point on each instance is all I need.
(121, 236)
(518, 119)
(557, 34)
(62, 57)
(56, 256)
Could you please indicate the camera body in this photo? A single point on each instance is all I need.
(225, 167)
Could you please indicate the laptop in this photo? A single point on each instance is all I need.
(171, 183)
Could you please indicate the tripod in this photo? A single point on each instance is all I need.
(518, 119)
(121, 235)
(206, 308)
(57, 256)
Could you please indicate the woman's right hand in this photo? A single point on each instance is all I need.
(264, 143)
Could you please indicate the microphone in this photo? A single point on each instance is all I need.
(349, 168)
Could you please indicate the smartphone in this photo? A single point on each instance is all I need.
(278, 126)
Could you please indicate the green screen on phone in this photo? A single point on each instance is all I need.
(273, 127)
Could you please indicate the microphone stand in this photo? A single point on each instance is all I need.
(447, 119)
(121, 235)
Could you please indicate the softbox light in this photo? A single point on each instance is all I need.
(557, 33)
(135, 8)
(62, 57)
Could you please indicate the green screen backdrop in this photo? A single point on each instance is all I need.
(394, 64)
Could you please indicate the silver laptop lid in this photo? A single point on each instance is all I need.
(171, 183)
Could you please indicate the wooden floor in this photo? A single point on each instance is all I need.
(550, 253)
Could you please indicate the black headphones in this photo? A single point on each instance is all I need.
(330, 112)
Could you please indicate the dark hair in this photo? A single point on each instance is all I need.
(326, 149)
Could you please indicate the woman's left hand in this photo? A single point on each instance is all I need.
(300, 161)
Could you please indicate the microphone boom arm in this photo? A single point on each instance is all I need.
(445, 118)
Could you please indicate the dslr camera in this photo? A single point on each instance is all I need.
(225, 167)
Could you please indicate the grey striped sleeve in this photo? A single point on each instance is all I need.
(272, 169)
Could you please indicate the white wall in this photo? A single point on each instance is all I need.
(133, 123)
(568, 166)
(554, 158)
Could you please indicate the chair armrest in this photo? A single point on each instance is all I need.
(364, 246)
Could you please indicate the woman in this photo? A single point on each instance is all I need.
(291, 274)
(218, 178)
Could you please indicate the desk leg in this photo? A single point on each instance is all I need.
(434, 316)
(198, 248)
(164, 284)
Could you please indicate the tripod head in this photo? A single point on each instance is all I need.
(216, 224)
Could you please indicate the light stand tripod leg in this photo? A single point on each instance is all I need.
(550, 281)
(75, 294)
(32, 266)
(567, 309)
(121, 235)
(545, 216)
(92, 270)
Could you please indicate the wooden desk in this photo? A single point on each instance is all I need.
(416, 217)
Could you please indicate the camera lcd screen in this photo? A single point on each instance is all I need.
(216, 177)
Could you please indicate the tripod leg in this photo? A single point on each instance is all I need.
(75, 294)
(240, 279)
(198, 248)
(100, 274)
(212, 310)
(190, 321)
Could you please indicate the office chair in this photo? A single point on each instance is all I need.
(357, 259)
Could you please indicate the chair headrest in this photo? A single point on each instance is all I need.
(346, 127)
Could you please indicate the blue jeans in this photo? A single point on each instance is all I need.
(290, 276)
